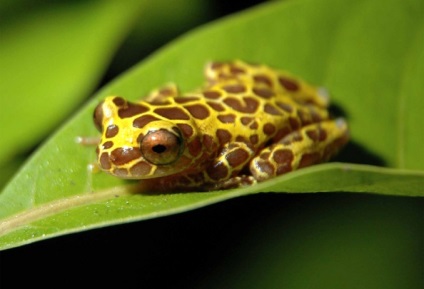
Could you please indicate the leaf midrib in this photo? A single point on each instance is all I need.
(48, 209)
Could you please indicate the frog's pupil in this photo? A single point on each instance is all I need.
(159, 148)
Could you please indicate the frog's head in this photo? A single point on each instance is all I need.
(137, 143)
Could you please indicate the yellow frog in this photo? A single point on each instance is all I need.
(248, 124)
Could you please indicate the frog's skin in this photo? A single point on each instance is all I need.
(248, 124)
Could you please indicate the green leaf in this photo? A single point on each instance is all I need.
(50, 60)
(352, 52)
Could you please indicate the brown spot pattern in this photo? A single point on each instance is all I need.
(292, 138)
(284, 169)
(216, 106)
(304, 118)
(159, 101)
(254, 139)
(208, 142)
(270, 109)
(269, 128)
(120, 172)
(317, 135)
(245, 120)
(140, 169)
(186, 129)
(263, 92)
(198, 111)
(233, 103)
(237, 157)
(216, 65)
(223, 135)
(107, 145)
(104, 161)
(262, 78)
(227, 118)
(288, 84)
(141, 121)
(120, 156)
(309, 159)
(294, 124)
(283, 156)
(250, 104)
(281, 133)
(266, 167)
(131, 109)
(111, 131)
(119, 101)
(218, 171)
(166, 91)
(172, 113)
(234, 88)
(212, 94)
(254, 125)
(194, 147)
(185, 99)
(240, 138)
(236, 70)
(184, 161)
(284, 106)
(265, 155)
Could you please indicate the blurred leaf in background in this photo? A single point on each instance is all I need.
(50, 60)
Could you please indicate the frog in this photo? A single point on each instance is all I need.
(247, 124)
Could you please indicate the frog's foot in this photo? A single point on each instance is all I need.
(230, 161)
(312, 144)
(232, 183)
(161, 95)
(324, 95)
(93, 168)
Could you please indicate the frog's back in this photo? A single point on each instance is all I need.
(253, 103)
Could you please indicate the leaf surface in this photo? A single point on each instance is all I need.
(352, 52)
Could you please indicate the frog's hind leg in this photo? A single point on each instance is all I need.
(160, 96)
(312, 144)
(220, 71)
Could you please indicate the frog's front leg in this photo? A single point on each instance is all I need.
(312, 144)
(223, 172)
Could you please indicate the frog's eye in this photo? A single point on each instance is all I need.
(161, 147)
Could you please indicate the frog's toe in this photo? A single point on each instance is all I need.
(341, 122)
(324, 95)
